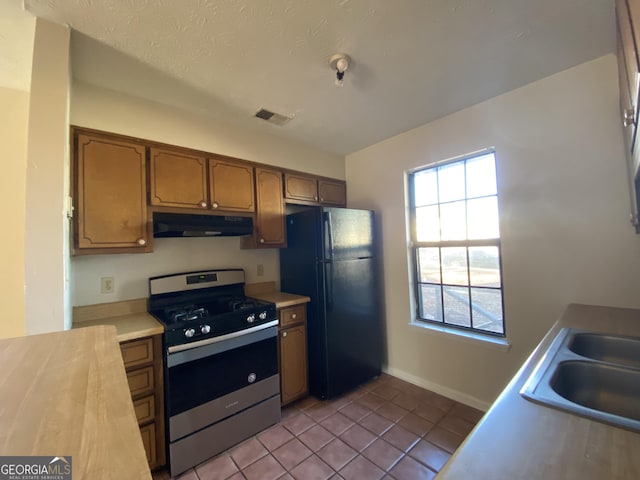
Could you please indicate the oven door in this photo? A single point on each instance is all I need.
(219, 378)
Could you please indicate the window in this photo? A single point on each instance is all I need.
(456, 244)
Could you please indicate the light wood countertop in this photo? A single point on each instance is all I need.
(129, 317)
(519, 439)
(282, 299)
(66, 393)
(267, 291)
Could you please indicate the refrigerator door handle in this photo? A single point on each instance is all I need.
(328, 278)
(328, 243)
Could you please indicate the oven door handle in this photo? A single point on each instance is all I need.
(222, 338)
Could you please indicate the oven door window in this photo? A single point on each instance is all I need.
(199, 381)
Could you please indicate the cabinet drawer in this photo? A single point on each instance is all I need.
(148, 434)
(292, 315)
(140, 381)
(145, 409)
(137, 352)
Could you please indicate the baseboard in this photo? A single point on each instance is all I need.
(437, 388)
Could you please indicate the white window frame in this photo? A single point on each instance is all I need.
(414, 263)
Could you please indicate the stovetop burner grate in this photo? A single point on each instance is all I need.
(199, 305)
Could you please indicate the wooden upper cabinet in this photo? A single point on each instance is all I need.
(332, 192)
(270, 216)
(628, 37)
(110, 195)
(178, 179)
(300, 187)
(231, 185)
(310, 190)
(628, 71)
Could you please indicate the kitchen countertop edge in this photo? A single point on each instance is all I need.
(519, 439)
(281, 299)
(128, 327)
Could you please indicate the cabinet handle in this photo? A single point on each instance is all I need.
(141, 242)
(294, 316)
(315, 198)
(203, 204)
(628, 117)
(214, 205)
(322, 199)
(284, 334)
(261, 240)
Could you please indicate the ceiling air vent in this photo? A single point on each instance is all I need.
(272, 117)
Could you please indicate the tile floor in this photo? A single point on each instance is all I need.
(387, 428)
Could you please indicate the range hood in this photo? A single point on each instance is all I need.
(192, 225)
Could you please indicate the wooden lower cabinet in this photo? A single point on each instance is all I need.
(143, 365)
(294, 380)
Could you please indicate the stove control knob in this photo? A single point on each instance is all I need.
(205, 329)
(189, 332)
(251, 318)
(262, 315)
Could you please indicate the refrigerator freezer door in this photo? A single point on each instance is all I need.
(352, 323)
(347, 233)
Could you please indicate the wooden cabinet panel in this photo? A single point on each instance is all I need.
(292, 315)
(231, 186)
(270, 216)
(110, 195)
(178, 179)
(143, 363)
(300, 187)
(145, 409)
(332, 192)
(307, 189)
(148, 434)
(140, 381)
(137, 352)
(628, 37)
(294, 383)
(293, 363)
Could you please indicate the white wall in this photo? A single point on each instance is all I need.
(564, 223)
(13, 152)
(47, 183)
(114, 112)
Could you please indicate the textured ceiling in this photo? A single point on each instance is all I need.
(413, 60)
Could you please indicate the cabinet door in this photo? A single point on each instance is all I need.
(293, 363)
(231, 186)
(332, 192)
(110, 190)
(300, 187)
(270, 217)
(178, 179)
(628, 74)
(628, 23)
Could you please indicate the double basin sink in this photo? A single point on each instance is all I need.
(596, 375)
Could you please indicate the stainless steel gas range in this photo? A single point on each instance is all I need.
(221, 363)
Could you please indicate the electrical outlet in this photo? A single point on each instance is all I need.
(260, 270)
(106, 284)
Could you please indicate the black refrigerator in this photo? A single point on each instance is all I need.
(330, 257)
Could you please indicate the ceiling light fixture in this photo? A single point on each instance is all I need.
(339, 62)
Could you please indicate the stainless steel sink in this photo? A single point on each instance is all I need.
(590, 374)
(607, 348)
